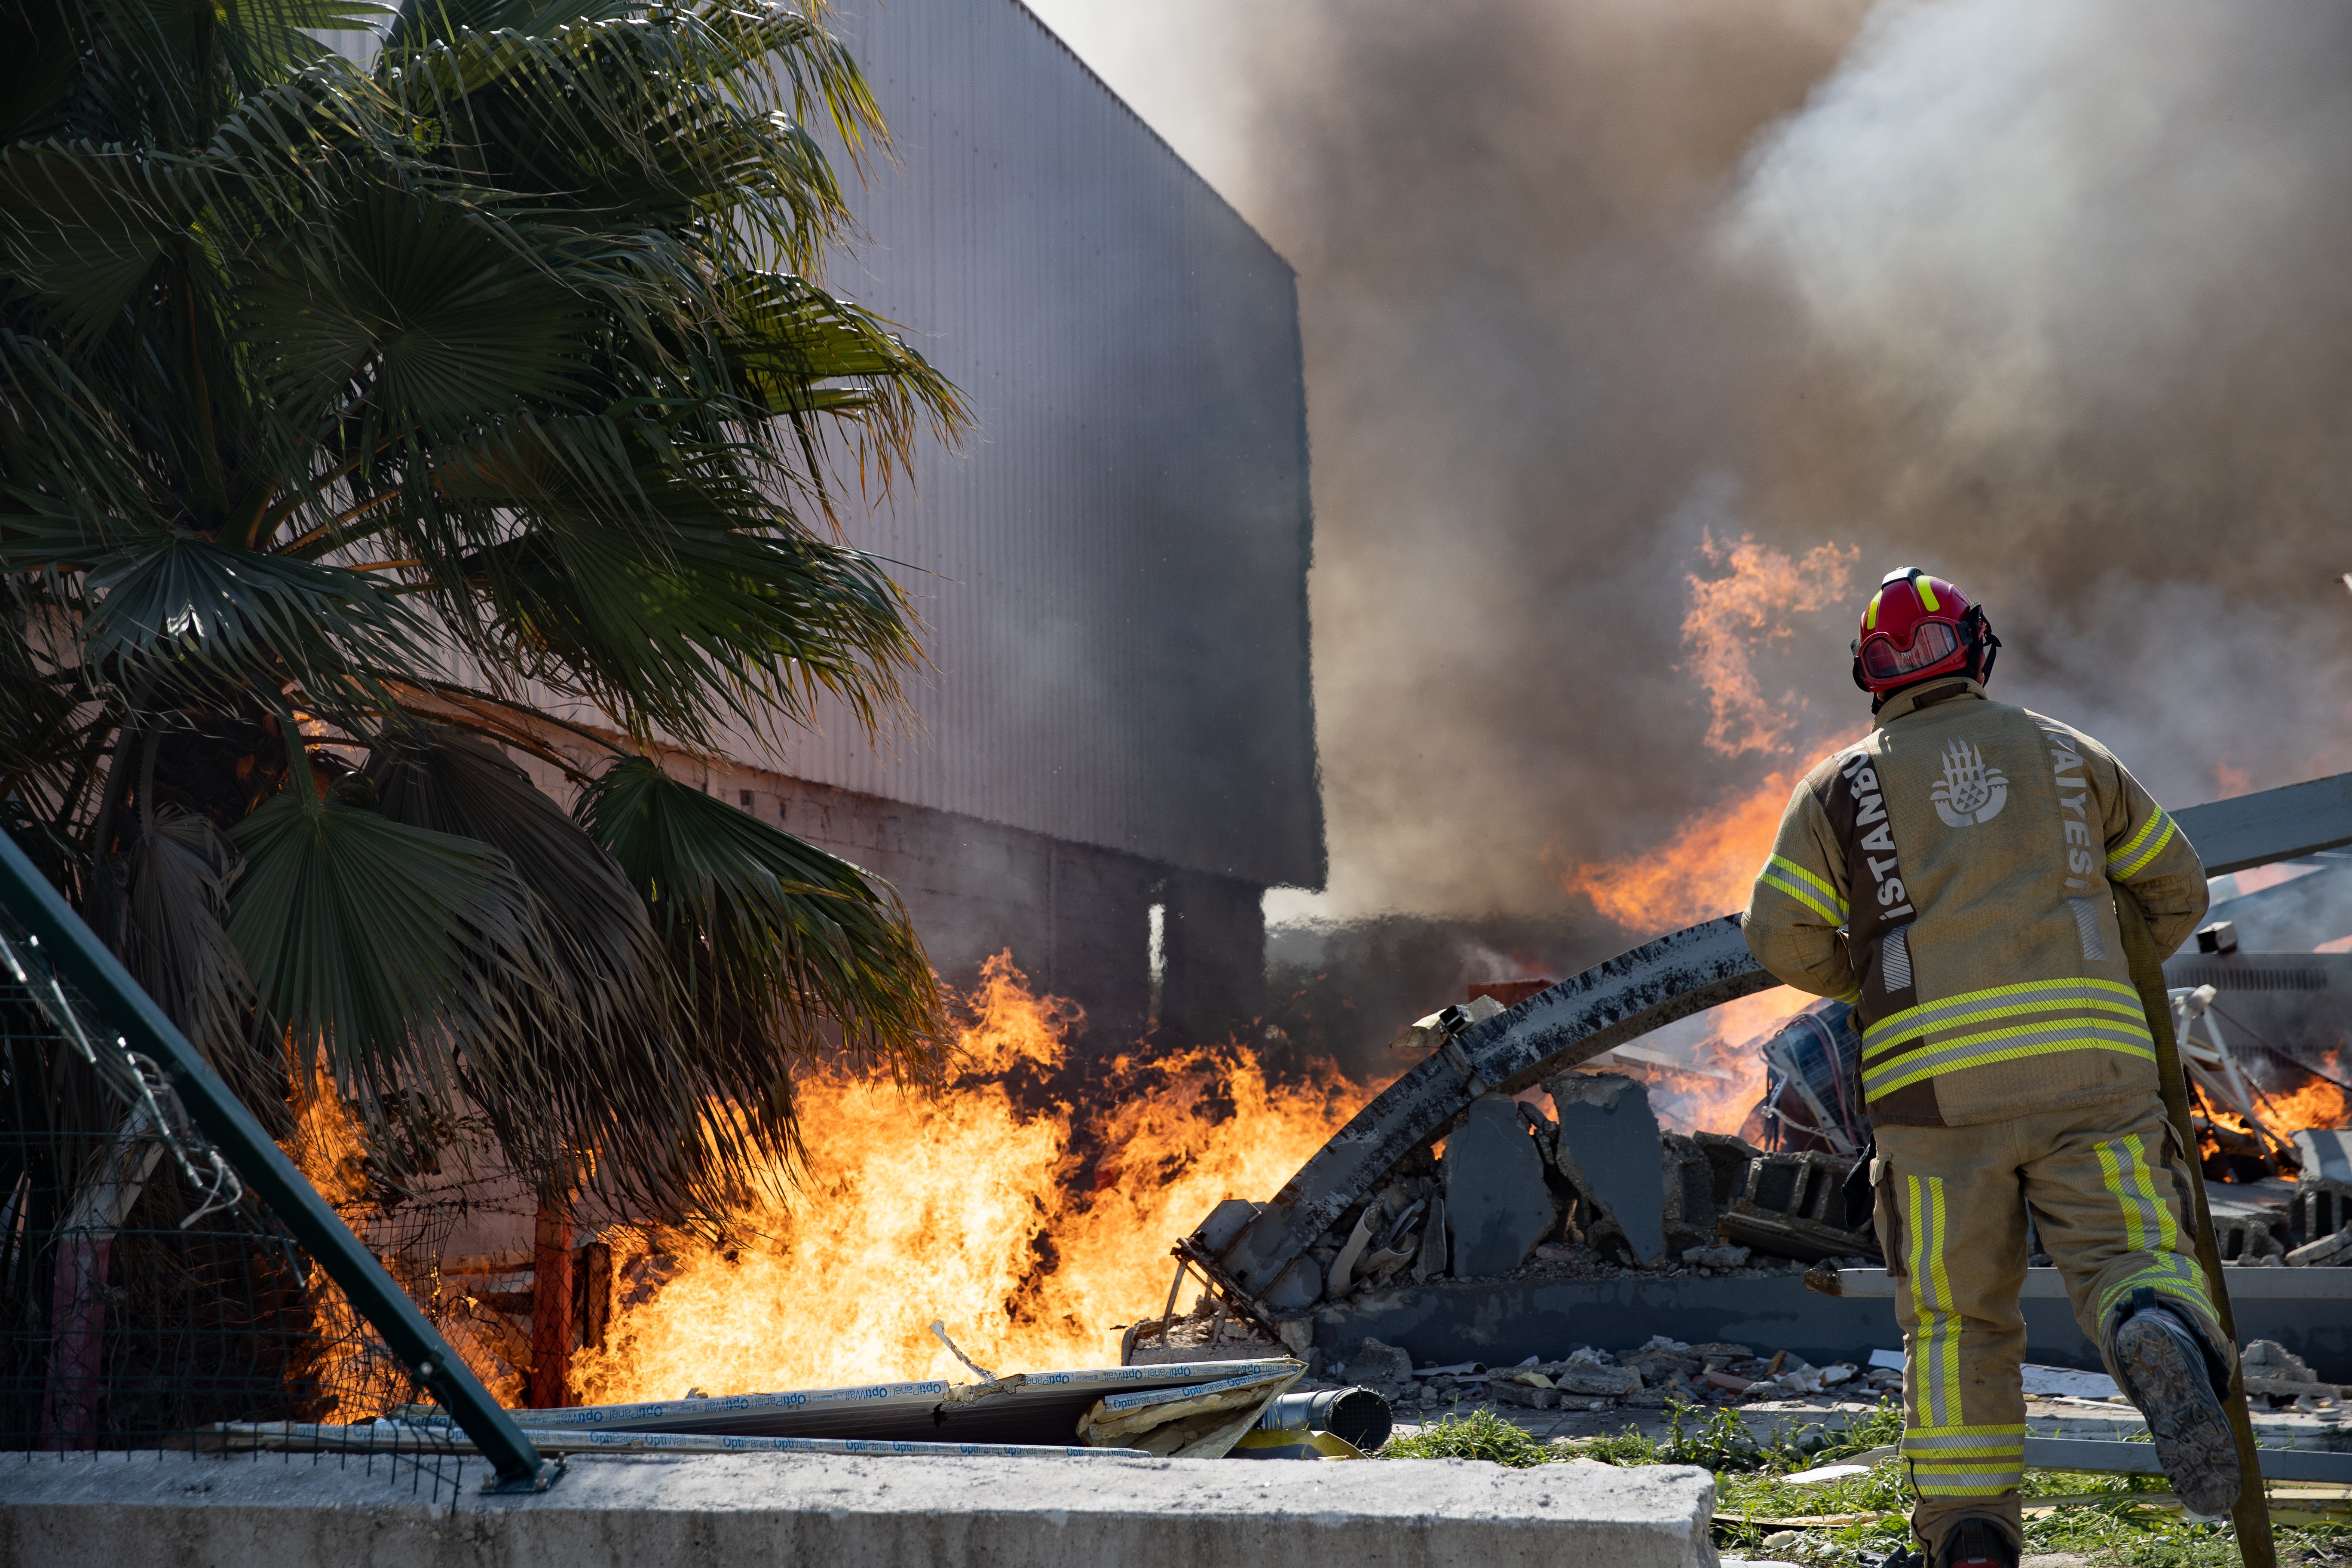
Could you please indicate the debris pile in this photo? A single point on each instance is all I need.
(1601, 1189)
(1661, 1373)
(1506, 1191)
(2285, 1379)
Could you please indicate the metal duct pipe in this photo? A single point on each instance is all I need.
(1355, 1415)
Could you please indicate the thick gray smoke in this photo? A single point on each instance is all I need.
(2050, 300)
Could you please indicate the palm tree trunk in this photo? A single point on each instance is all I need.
(551, 1304)
(77, 1292)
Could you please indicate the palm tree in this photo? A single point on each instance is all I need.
(362, 427)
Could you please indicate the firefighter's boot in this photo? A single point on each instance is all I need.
(1977, 1542)
(2163, 1369)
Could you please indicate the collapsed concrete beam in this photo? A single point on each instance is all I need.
(1046, 1512)
(1621, 1000)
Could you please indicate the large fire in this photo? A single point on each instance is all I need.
(1705, 872)
(1712, 861)
(2317, 1103)
(1732, 616)
(1034, 1232)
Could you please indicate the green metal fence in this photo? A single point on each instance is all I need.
(165, 1270)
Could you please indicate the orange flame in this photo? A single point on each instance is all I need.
(350, 1364)
(2318, 1103)
(1711, 865)
(1729, 616)
(1705, 872)
(1701, 1102)
(965, 1208)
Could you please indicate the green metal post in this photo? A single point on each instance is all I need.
(78, 955)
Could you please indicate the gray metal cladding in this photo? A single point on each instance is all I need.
(1114, 571)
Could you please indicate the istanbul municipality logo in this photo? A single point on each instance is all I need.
(1970, 791)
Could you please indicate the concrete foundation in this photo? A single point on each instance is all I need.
(173, 1508)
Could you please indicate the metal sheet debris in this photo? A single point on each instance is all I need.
(1044, 1408)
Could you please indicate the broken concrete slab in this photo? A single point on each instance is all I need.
(2326, 1156)
(1436, 1245)
(1046, 1512)
(1691, 1208)
(1378, 1367)
(1612, 1152)
(1495, 1198)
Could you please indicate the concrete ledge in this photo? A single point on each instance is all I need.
(645, 1512)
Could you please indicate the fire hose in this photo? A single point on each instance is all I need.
(2251, 1515)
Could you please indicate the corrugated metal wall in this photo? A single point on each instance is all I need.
(1117, 565)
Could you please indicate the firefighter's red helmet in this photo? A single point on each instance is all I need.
(1916, 628)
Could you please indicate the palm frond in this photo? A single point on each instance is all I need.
(703, 626)
(424, 299)
(210, 618)
(629, 1099)
(785, 949)
(436, 778)
(174, 939)
(380, 950)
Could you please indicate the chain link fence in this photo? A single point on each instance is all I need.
(150, 1301)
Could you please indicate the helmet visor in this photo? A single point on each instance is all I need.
(1932, 642)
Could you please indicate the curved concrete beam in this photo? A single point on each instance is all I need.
(1572, 1022)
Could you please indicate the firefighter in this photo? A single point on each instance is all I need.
(1949, 875)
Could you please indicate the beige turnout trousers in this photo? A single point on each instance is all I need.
(2110, 1201)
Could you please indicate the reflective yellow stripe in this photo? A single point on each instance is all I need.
(1926, 592)
(1999, 1001)
(2169, 1274)
(2116, 1028)
(2168, 1234)
(2129, 861)
(1819, 885)
(1936, 1343)
(1964, 1461)
(1985, 1483)
(1870, 616)
(1804, 898)
(1888, 1077)
(1956, 1442)
(2111, 1175)
(1805, 888)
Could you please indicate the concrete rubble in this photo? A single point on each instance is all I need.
(1497, 1200)
(1607, 1144)
(1035, 1512)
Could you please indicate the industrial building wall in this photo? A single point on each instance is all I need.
(1114, 571)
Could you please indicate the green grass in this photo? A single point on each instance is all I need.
(1481, 1435)
(2125, 1532)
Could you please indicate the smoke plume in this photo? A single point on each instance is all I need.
(2048, 300)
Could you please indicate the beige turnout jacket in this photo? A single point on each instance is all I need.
(1947, 875)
